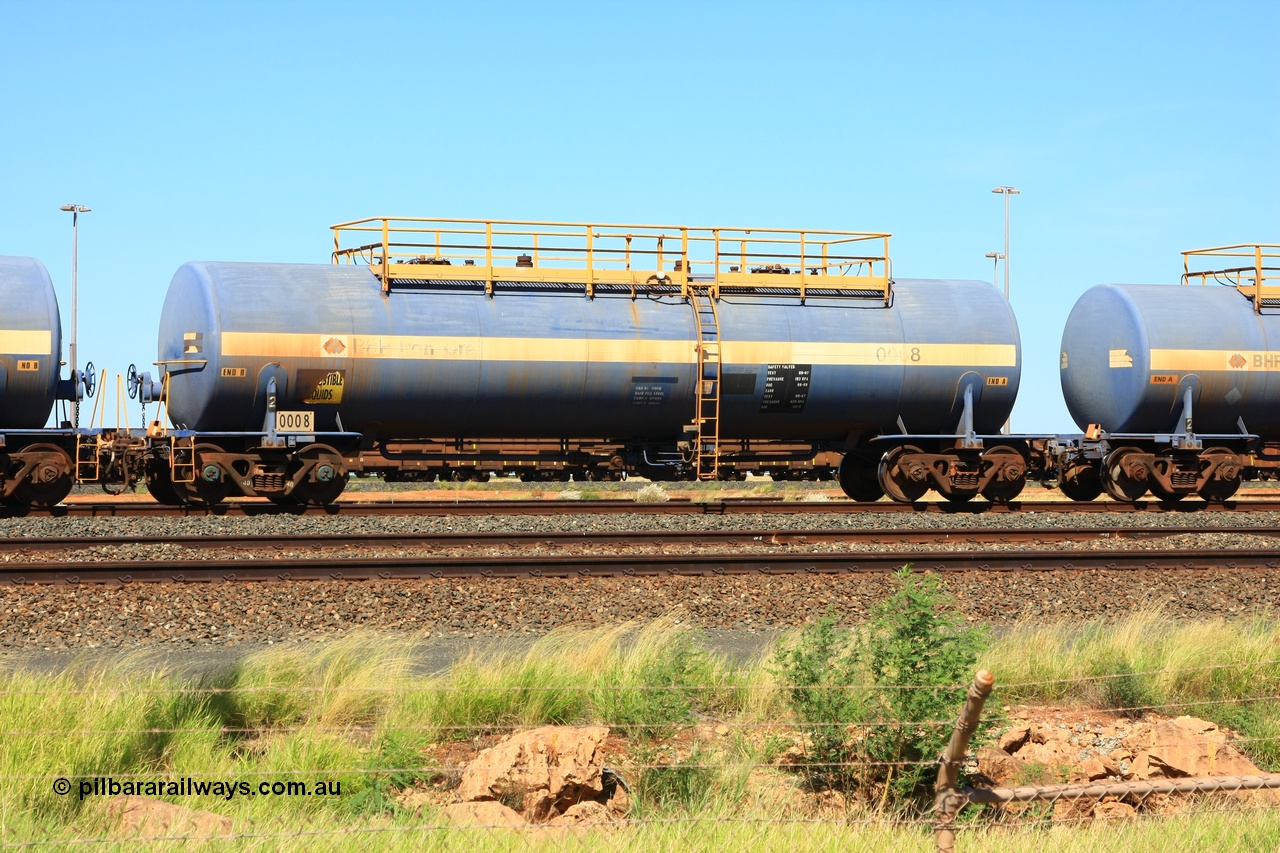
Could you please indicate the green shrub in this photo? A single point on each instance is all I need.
(916, 657)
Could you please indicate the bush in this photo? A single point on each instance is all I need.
(916, 657)
(819, 672)
(922, 655)
(652, 494)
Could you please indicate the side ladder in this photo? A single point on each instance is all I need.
(707, 452)
(88, 458)
(182, 470)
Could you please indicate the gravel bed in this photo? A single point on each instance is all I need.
(238, 614)
(165, 528)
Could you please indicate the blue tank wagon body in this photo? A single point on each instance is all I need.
(549, 364)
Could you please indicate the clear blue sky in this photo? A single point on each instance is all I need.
(241, 131)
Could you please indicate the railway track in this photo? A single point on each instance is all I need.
(682, 539)
(723, 506)
(784, 553)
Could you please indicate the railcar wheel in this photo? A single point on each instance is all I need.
(1223, 487)
(1217, 491)
(859, 478)
(1081, 483)
(328, 480)
(211, 485)
(49, 482)
(1011, 474)
(160, 485)
(902, 478)
(1122, 479)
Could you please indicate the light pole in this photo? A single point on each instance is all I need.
(996, 258)
(1006, 192)
(75, 210)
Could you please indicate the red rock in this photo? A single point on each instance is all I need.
(148, 818)
(487, 813)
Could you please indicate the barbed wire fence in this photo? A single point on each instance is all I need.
(741, 782)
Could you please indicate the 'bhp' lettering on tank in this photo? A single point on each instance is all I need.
(1268, 360)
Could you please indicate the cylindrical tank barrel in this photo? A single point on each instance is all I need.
(547, 362)
(1131, 352)
(30, 343)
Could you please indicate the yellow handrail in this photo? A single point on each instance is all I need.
(1262, 265)
(491, 251)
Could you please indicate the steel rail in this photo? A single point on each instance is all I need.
(722, 506)
(660, 538)
(622, 565)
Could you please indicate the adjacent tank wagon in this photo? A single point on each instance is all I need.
(454, 349)
(36, 461)
(1178, 388)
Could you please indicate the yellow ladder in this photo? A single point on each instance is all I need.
(707, 452)
(88, 458)
(182, 470)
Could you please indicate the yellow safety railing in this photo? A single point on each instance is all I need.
(640, 257)
(1245, 266)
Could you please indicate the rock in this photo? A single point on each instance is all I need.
(1051, 755)
(1140, 768)
(1012, 740)
(543, 771)
(413, 799)
(485, 813)
(584, 813)
(999, 766)
(1090, 770)
(1040, 733)
(1188, 746)
(148, 818)
(1076, 810)
(1113, 810)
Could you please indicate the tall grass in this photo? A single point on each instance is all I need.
(355, 711)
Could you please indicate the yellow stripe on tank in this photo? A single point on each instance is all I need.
(888, 354)
(611, 350)
(26, 342)
(456, 348)
(1191, 360)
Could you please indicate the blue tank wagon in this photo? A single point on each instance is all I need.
(448, 348)
(36, 462)
(1178, 388)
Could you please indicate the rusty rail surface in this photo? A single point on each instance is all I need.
(327, 567)
(722, 506)
(635, 539)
